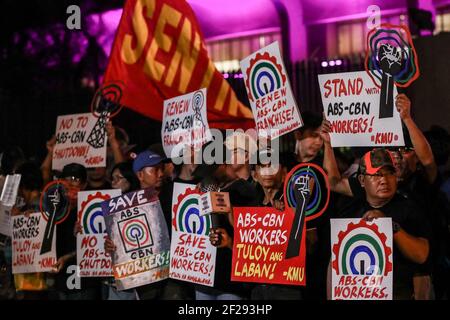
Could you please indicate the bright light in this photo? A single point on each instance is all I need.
(324, 64)
(219, 66)
(227, 65)
(338, 62)
(331, 63)
(235, 65)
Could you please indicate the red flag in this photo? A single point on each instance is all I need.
(159, 53)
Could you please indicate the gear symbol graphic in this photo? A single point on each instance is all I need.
(180, 199)
(89, 200)
(350, 228)
(257, 59)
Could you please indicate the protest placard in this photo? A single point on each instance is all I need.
(260, 247)
(269, 92)
(362, 260)
(91, 256)
(10, 190)
(185, 123)
(5, 220)
(80, 138)
(8, 199)
(391, 61)
(27, 237)
(136, 225)
(351, 102)
(269, 244)
(192, 257)
(55, 208)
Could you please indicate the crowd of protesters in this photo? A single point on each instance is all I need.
(410, 184)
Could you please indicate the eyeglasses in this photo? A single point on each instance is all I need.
(268, 170)
(404, 150)
(239, 150)
(72, 179)
(397, 154)
(117, 178)
(377, 176)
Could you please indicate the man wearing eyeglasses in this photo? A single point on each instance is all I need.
(418, 181)
(416, 158)
(377, 176)
(242, 148)
(76, 177)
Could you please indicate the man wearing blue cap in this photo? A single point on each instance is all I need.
(149, 168)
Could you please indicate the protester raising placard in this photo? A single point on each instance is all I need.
(192, 257)
(362, 260)
(136, 224)
(91, 256)
(27, 235)
(269, 91)
(80, 138)
(185, 123)
(351, 103)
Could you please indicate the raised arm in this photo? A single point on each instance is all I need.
(337, 182)
(419, 142)
(46, 166)
(114, 144)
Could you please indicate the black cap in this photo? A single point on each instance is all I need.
(374, 160)
(74, 170)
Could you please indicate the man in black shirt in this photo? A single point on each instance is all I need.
(411, 231)
(222, 177)
(76, 177)
(418, 181)
(308, 142)
(242, 148)
(269, 187)
(149, 169)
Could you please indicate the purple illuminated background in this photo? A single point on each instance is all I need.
(47, 82)
(233, 18)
